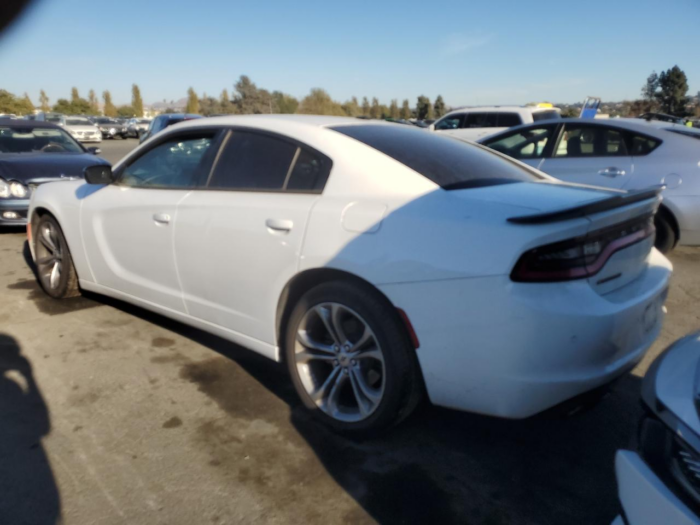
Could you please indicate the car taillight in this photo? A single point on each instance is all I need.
(581, 257)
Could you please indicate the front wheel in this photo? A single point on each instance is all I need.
(55, 269)
(350, 359)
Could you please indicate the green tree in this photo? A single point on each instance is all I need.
(64, 106)
(74, 95)
(136, 101)
(10, 103)
(94, 103)
(44, 101)
(375, 111)
(250, 99)
(225, 103)
(394, 109)
(26, 106)
(126, 112)
(673, 87)
(352, 107)
(439, 107)
(405, 112)
(283, 103)
(365, 107)
(650, 87)
(423, 107)
(192, 102)
(319, 102)
(109, 109)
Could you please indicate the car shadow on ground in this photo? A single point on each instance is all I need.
(28, 491)
(444, 466)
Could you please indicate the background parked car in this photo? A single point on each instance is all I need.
(344, 244)
(623, 154)
(659, 481)
(137, 126)
(82, 129)
(473, 123)
(161, 122)
(110, 128)
(33, 153)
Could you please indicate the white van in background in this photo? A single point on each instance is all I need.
(477, 122)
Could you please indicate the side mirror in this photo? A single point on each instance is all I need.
(95, 151)
(99, 174)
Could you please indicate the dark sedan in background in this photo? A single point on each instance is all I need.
(32, 153)
(161, 122)
(110, 128)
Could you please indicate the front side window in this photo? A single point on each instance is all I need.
(481, 120)
(450, 122)
(591, 141)
(448, 162)
(525, 144)
(175, 163)
(641, 145)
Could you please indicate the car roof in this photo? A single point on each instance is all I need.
(308, 121)
(502, 109)
(16, 123)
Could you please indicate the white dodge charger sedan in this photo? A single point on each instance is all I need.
(376, 260)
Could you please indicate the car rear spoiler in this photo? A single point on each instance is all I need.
(616, 201)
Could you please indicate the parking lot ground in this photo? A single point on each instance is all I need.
(115, 149)
(110, 415)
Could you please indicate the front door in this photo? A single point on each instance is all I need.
(128, 226)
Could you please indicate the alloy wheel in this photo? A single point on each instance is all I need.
(49, 256)
(340, 362)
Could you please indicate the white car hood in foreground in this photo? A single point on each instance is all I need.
(678, 380)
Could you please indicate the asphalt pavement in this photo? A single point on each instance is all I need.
(110, 414)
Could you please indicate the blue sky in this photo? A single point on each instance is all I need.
(470, 52)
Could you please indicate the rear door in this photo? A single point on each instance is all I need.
(590, 154)
(238, 240)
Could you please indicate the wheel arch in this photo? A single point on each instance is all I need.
(304, 281)
(666, 213)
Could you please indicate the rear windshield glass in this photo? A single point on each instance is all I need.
(545, 115)
(448, 162)
(689, 132)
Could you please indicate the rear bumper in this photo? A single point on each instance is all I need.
(16, 206)
(646, 500)
(507, 349)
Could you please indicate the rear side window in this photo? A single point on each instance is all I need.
(508, 120)
(481, 120)
(260, 162)
(448, 162)
(545, 115)
(642, 145)
(252, 161)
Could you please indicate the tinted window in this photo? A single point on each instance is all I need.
(545, 115)
(590, 141)
(309, 173)
(450, 122)
(642, 145)
(172, 164)
(481, 120)
(525, 144)
(171, 121)
(252, 161)
(447, 162)
(508, 120)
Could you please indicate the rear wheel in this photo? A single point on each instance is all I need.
(350, 359)
(55, 268)
(665, 235)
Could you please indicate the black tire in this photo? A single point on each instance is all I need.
(401, 380)
(65, 282)
(665, 235)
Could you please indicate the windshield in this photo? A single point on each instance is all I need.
(105, 121)
(448, 162)
(36, 140)
(78, 122)
(545, 115)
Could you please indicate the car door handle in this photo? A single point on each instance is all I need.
(279, 225)
(611, 172)
(161, 218)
